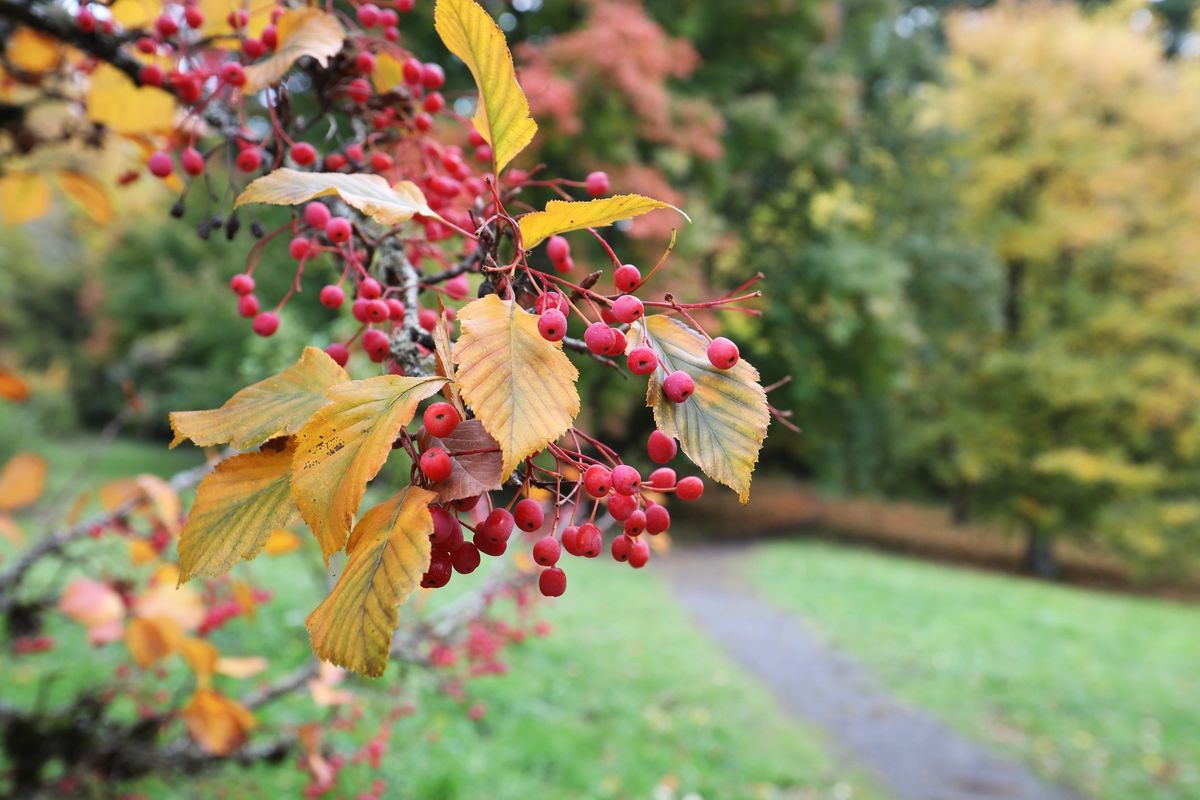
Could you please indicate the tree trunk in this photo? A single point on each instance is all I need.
(1039, 555)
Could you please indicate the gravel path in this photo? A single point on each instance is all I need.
(910, 754)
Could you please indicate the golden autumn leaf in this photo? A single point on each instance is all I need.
(217, 723)
(301, 32)
(273, 407)
(241, 666)
(31, 51)
(217, 11)
(24, 197)
(281, 541)
(388, 73)
(345, 444)
(370, 194)
(502, 113)
(89, 193)
(141, 552)
(561, 216)
(181, 605)
(473, 474)
(389, 552)
(13, 387)
(239, 505)
(722, 426)
(22, 481)
(135, 13)
(201, 656)
(114, 101)
(151, 639)
(520, 386)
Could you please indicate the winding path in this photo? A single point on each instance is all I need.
(910, 754)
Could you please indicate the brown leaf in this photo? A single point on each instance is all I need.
(472, 474)
(151, 639)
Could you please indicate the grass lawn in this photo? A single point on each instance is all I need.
(1098, 691)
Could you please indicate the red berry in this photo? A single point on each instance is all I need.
(619, 344)
(266, 323)
(457, 287)
(597, 183)
(369, 288)
(552, 582)
(249, 159)
(332, 296)
(193, 16)
(160, 164)
(335, 162)
(381, 162)
(423, 122)
(547, 551)
(436, 464)
(375, 343)
(364, 63)
(439, 572)
(489, 546)
(151, 75)
(444, 525)
(636, 523)
(689, 488)
(427, 318)
(589, 542)
(658, 519)
(304, 154)
(338, 352)
(404, 6)
(662, 478)
(368, 15)
(484, 154)
(338, 230)
(625, 480)
(359, 91)
(298, 247)
(558, 248)
(620, 506)
(570, 540)
(722, 353)
(528, 515)
(377, 311)
(359, 310)
(395, 309)
(166, 26)
(248, 306)
(434, 102)
(621, 546)
(552, 325)
(599, 338)
(233, 74)
(432, 76)
(316, 215)
(642, 360)
(597, 480)
(499, 524)
(253, 48)
(465, 558)
(441, 419)
(550, 300)
(191, 161)
(627, 308)
(412, 71)
(564, 266)
(476, 139)
(85, 20)
(661, 448)
(241, 283)
(678, 386)
(639, 553)
(627, 277)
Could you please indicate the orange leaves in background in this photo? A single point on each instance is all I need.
(13, 387)
(97, 607)
(22, 481)
(345, 444)
(520, 386)
(32, 51)
(151, 640)
(561, 216)
(301, 32)
(91, 196)
(217, 723)
(389, 551)
(370, 194)
(24, 197)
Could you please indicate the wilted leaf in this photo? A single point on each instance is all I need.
(472, 474)
(561, 216)
(241, 666)
(151, 639)
(345, 444)
(32, 51)
(370, 194)
(520, 386)
(217, 723)
(96, 606)
(88, 192)
(502, 113)
(24, 197)
(201, 655)
(114, 101)
(239, 505)
(722, 426)
(22, 481)
(301, 32)
(13, 387)
(273, 407)
(389, 552)
(280, 542)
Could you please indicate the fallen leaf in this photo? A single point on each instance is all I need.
(301, 32)
(472, 474)
(22, 481)
(370, 194)
(561, 216)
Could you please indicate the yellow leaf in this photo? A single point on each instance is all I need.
(239, 505)
(141, 552)
(301, 32)
(151, 639)
(370, 194)
(32, 51)
(280, 542)
(502, 113)
(12, 386)
(88, 192)
(241, 666)
(217, 11)
(22, 481)
(388, 73)
(24, 197)
(561, 216)
(163, 501)
(721, 427)
(389, 552)
(243, 593)
(273, 407)
(217, 723)
(134, 13)
(201, 656)
(520, 386)
(165, 601)
(345, 444)
(113, 100)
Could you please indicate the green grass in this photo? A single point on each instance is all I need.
(1098, 691)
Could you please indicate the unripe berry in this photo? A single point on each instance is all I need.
(636, 523)
(620, 548)
(444, 524)
(432, 76)
(552, 325)
(316, 215)
(248, 306)
(338, 230)
(599, 338)
(440, 420)
(368, 15)
(436, 465)
(558, 249)
(597, 183)
(625, 480)
(658, 519)
(369, 288)
(689, 488)
(298, 247)
(552, 582)
(678, 386)
(722, 353)
(620, 506)
(338, 352)
(465, 558)
(304, 154)
(191, 161)
(660, 447)
(364, 63)
(627, 277)
(375, 343)
(547, 551)
(151, 75)
(642, 360)
(160, 164)
(233, 74)
(241, 283)
(528, 515)
(627, 308)
(332, 296)
(249, 159)
(597, 480)
(377, 311)
(266, 323)
(488, 545)
(639, 553)
(662, 478)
